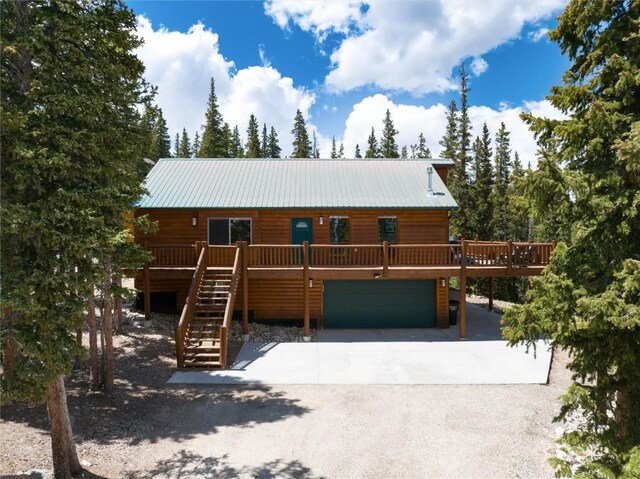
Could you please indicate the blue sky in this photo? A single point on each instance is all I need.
(343, 63)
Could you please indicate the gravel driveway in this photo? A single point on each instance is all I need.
(149, 429)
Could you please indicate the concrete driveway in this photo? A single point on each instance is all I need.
(388, 356)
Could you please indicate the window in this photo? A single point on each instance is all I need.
(226, 231)
(387, 229)
(339, 229)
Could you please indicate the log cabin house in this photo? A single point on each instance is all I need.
(342, 243)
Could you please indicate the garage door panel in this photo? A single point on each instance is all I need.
(379, 304)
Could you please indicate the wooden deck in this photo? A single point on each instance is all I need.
(305, 262)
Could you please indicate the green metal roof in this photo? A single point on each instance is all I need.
(293, 183)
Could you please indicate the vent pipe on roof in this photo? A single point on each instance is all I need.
(430, 181)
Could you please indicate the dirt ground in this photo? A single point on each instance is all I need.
(149, 429)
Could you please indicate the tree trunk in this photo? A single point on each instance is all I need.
(93, 344)
(117, 305)
(107, 327)
(63, 448)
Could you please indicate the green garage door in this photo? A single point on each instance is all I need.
(379, 304)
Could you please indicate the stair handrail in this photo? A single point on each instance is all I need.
(231, 299)
(187, 311)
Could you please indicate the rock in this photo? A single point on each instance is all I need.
(84, 463)
(39, 474)
(562, 455)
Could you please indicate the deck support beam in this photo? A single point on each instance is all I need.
(245, 290)
(462, 324)
(306, 330)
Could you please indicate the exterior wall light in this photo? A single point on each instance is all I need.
(443, 282)
(194, 221)
(321, 220)
(311, 283)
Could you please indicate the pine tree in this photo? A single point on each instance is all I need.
(161, 132)
(480, 202)
(334, 151)
(272, 144)
(517, 208)
(341, 151)
(264, 146)
(588, 299)
(372, 150)
(253, 139)
(301, 143)
(388, 145)
(499, 199)
(70, 149)
(315, 153)
(459, 182)
(235, 145)
(213, 143)
(225, 139)
(196, 145)
(184, 149)
(420, 150)
(176, 146)
(403, 152)
(154, 129)
(357, 154)
(449, 141)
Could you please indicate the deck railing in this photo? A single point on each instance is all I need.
(424, 255)
(345, 255)
(228, 312)
(275, 255)
(222, 256)
(173, 255)
(187, 311)
(487, 254)
(477, 254)
(532, 254)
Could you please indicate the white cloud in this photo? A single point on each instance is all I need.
(263, 56)
(408, 45)
(316, 17)
(412, 120)
(538, 34)
(181, 66)
(479, 66)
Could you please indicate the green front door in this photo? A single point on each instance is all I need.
(379, 304)
(301, 230)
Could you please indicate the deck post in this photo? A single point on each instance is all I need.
(509, 257)
(147, 293)
(490, 293)
(385, 258)
(306, 330)
(244, 254)
(462, 325)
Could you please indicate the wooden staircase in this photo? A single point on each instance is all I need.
(203, 330)
(202, 339)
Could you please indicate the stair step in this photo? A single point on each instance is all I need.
(202, 364)
(197, 356)
(191, 349)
